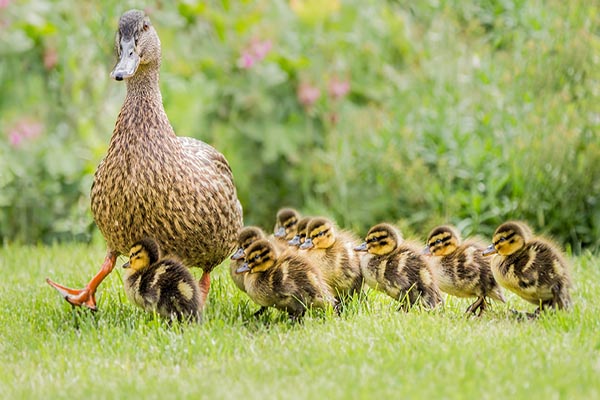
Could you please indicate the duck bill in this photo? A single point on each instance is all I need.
(126, 265)
(128, 62)
(426, 251)
(238, 254)
(308, 244)
(242, 269)
(489, 250)
(279, 233)
(295, 241)
(361, 247)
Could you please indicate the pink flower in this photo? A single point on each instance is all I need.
(338, 88)
(253, 53)
(4, 3)
(308, 94)
(23, 130)
(246, 61)
(50, 57)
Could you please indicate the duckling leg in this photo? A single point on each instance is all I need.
(87, 296)
(204, 284)
(477, 307)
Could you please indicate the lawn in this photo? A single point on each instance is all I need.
(49, 350)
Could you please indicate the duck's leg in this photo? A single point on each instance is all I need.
(478, 305)
(87, 296)
(204, 284)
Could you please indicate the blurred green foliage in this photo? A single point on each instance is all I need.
(420, 113)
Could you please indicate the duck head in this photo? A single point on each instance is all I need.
(286, 223)
(320, 234)
(381, 239)
(260, 256)
(509, 238)
(137, 44)
(442, 240)
(246, 237)
(142, 254)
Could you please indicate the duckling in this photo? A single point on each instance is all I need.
(286, 224)
(159, 284)
(300, 236)
(461, 269)
(151, 178)
(288, 282)
(530, 266)
(246, 237)
(397, 268)
(332, 251)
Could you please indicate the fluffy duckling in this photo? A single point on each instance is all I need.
(332, 251)
(246, 237)
(461, 269)
(532, 267)
(397, 268)
(286, 224)
(300, 236)
(288, 282)
(163, 285)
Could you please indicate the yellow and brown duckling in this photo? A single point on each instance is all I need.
(288, 281)
(163, 285)
(153, 183)
(333, 251)
(397, 268)
(300, 236)
(286, 224)
(247, 236)
(461, 269)
(532, 267)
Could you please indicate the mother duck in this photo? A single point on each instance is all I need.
(153, 183)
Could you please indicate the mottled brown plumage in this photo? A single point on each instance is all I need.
(461, 269)
(288, 281)
(397, 268)
(532, 267)
(332, 251)
(162, 285)
(153, 183)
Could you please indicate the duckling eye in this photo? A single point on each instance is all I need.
(438, 241)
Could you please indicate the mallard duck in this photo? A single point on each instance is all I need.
(153, 183)
(286, 223)
(159, 284)
(288, 281)
(461, 269)
(300, 236)
(332, 251)
(532, 267)
(397, 268)
(246, 237)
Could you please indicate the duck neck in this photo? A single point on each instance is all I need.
(143, 86)
(143, 107)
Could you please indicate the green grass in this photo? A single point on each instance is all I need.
(49, 350)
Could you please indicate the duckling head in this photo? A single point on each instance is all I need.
(509, 238)
(320, 234)
(246, 237)
(286, 223)
(300, 232)
(381, 239)
(442, 240)
(260, 256)
(137, 44)
(142, 254)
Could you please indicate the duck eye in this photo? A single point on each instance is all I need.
(438, 241)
